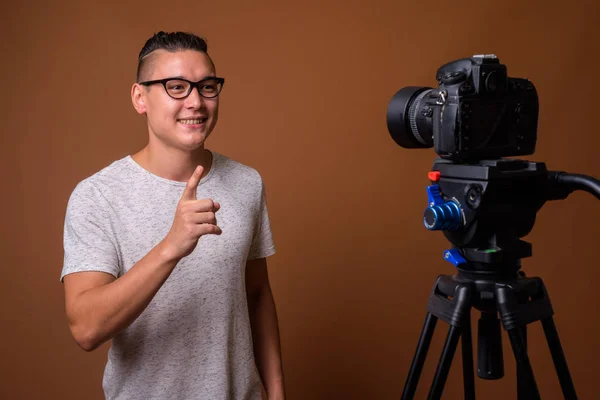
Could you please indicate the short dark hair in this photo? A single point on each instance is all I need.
(170, 41)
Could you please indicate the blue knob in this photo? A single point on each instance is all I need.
(454, 257)
(441, 215)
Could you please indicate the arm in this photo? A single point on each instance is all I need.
(99, 306)
(265, 331)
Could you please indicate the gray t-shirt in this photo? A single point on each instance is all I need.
(193, 341)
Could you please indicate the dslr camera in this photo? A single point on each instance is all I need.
(476, 113)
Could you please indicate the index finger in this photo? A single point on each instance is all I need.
(189, 193)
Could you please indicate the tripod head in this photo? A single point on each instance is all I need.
(493, 204)
(485, 208)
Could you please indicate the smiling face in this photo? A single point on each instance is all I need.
(183, 124)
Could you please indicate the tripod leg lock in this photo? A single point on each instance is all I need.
(452, 307)
(523, 303)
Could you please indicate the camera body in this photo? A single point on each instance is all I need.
(476, 113)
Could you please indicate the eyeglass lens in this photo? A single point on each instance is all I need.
(178, 88)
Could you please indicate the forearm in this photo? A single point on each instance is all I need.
(267, 348)
(98, 314)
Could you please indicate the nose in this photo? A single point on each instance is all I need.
(194, 100)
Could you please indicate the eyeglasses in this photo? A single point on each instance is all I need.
(179, 88)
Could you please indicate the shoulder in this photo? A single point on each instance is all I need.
(95, 188)
(236, 172)
(236, 180)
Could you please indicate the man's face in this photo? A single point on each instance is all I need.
(180, 123)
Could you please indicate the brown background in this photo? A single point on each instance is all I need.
(308, 85)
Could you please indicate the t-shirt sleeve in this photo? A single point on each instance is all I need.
(89, 239)
(262, 243)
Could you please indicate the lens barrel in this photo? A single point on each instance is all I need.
(409, 118)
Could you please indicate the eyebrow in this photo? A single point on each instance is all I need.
(181, 77)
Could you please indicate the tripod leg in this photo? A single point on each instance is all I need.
(508, 305)
(458, 315)
(412, 380)
(522, 387)
(525, 376)
(558, 356)
(467, 360)
(441, 374)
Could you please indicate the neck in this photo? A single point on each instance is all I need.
(173, 164)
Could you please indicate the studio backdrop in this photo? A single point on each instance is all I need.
(307, 88)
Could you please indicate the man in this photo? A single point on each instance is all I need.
(165, 250)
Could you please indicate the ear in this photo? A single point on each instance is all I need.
(138, 98)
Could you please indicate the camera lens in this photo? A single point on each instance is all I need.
(409, 119)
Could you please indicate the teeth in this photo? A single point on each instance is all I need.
(190, 121)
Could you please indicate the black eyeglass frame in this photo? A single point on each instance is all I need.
(193, 85)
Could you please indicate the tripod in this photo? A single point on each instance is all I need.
(483, 209)
(519, 301)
